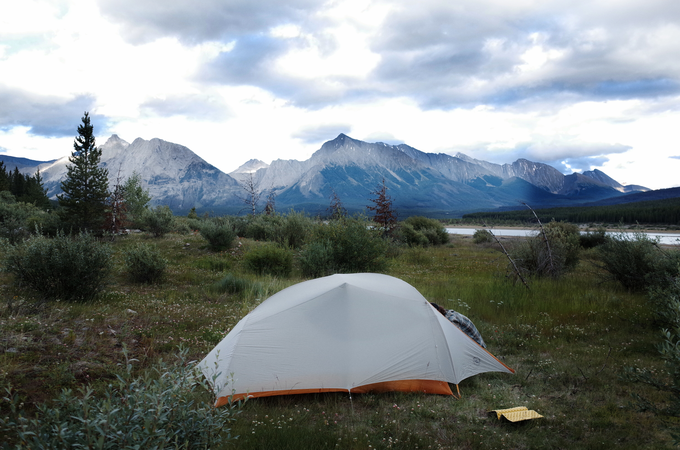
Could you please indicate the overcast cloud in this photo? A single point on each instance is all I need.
(577, 84)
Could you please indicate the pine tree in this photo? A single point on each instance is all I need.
(384, 212)
(86, 185)
(35, 192)
(4, 178)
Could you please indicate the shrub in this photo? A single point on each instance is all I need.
(351, 245)
(561, 252)
(63, 267)
(158, 221)
(269, 259)
(169, 407)
(592, 239)
(316, 259)
(637, 262)
(234, 285)
(219, 233)
(412, 237)
(670, 353)
(294, 230)
(482, 237)
(14, 218)
(264, 227)
(417, 227)
(144, 264)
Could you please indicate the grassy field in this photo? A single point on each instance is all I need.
(568, 340)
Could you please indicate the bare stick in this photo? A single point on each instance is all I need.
(605, 361)
(584, 375)
(545, 239)
(511, 261)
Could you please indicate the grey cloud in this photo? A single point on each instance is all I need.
(561, 155)
(195, 21)
(322, 133)
(197, 106)
(386, 138)
(455, 54)
(248, 62)
(47, 116)
(443, 55)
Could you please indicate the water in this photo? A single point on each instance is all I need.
(664, 238)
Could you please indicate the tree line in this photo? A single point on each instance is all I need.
(655, 212)
(24, 188)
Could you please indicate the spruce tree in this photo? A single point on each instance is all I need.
(86, 185)
(385, 215)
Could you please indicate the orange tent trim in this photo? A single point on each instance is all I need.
(426, 386)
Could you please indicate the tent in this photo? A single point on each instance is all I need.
(350, 332)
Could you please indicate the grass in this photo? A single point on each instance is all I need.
(569, 340)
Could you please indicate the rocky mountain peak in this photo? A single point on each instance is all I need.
(251, 166)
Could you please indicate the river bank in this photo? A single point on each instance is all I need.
(663, 237)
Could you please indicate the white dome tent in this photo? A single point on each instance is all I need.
(351, 332)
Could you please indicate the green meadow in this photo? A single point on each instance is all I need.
(568, 339)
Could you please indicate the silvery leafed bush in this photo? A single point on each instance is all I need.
(166, 408)
(63, 267)
(144, 264)
(219, 233)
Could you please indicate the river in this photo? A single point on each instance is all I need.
(663, 237)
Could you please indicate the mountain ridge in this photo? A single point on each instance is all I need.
(350, 168)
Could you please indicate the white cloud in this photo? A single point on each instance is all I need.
(575, 83)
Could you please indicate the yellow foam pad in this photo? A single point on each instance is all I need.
(517, 414)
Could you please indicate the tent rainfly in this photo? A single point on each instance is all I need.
(361, 332)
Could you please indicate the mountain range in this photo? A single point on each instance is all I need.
(434, 184)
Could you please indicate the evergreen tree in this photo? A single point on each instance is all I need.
(4, 178)
(34, 191)
(384, 212)
(86, 185)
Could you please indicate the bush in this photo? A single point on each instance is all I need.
(422, 231)
(592, 239)
(482, 237)
(294, 230)
(561, 253)
(264, 227)
(637, 262)
(346, 245)
(411, 237)
(63, 267)
(289, 230)
(14, 218)
(219, 233)
(158, 221)
(316, 260)
(169, 407)
(144, 264)
(670, 353)
(269, 259)
(234, 285)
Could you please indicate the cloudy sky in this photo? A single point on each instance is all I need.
(578, 84)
